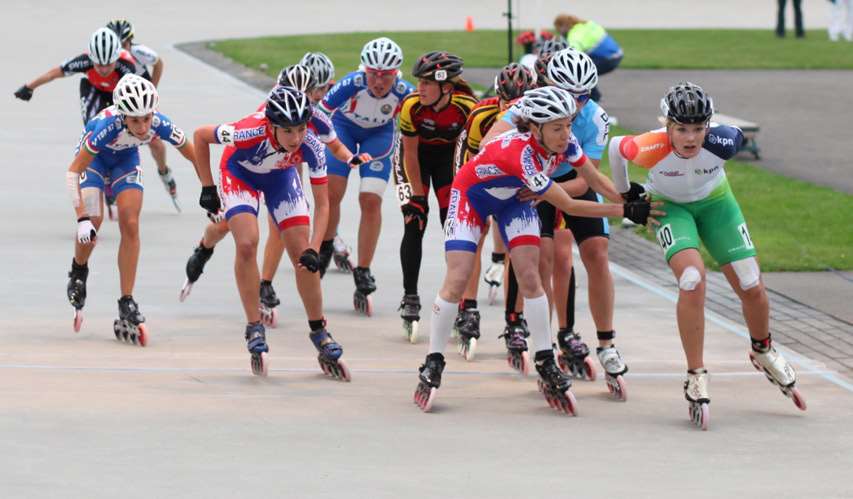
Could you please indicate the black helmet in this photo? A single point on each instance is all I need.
(687, 103)
(287, 107)
(297, 76)
(553, 45)
(437, 66)
(513, 80)
(122, 28)
(540, 67)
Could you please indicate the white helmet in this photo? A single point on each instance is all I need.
(135, 96)
(321, 66)
(104, 47)
(572, 70)
(545, 104)
(382, 54)
(297, 76)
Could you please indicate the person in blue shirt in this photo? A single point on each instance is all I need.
(109, 150)
(364, 105)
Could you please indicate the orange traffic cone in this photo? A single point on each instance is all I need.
(469, 24)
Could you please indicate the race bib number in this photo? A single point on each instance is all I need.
(225, 134)
(135, 177)
(404, 193)
(744, 234)
(665, 238)
(538, 182)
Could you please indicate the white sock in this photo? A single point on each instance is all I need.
(538, 320)
(441, 324)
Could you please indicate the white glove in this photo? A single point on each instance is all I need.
(85, 230)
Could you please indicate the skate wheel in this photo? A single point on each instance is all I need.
(78, 320)
(413, 332)
(260, 364)
(616, 386)
(369, 310)
(589, 370)
(185, 290)
(525, 363)
(343, 371)
(141, 335)
(424, 396)
(754, 362)
(564, 365)
(569, 404)
(175, 202)
(700, 415)
(470, 349)
(798, 399)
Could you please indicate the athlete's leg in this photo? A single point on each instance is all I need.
(129, 202)
(375, 174)
(689, 271)
(369, 227)
(593, 253)
(296, 240)
(754, 302)
(563, 241)
(273, 250)
(244, 230)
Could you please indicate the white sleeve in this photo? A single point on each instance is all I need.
(144, 54)
(618, 166)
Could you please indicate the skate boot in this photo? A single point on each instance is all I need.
(494, 277)
(364, 285)
(554, 384)
(329, 355)
(326, 250)
(515, 336)
(574, 357)
(195, 267)
(429, 380)
(342, 255)
(129, 326)
(410, 309)
(614, 368)
(779, 372)
(467, 327)
(256, 342)
(171, 186)
(269, 300)
(77, 291)
(696, 393)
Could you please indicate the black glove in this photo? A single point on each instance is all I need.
(416, 209)
(635, 192)
(358, 159)
(24, 93)
(637, 211)
(310, 260)
(209, 199)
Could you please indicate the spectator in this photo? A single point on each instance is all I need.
(841, 23)
(531, 46)
(798, 19)
(591, 38)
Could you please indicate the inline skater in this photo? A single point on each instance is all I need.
(263, 150)
(301, 78)
(510, 84)
(500, 181)
(364, 105)
(109, 152)
(431, 119)
(699, 205)
(149, 65)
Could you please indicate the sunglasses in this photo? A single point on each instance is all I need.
(381, 72)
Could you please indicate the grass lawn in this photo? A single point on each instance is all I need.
(644, 49)
(796, 226)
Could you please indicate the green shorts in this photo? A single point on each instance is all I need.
(716, 220)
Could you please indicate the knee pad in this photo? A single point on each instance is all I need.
(689, 279)
(91, 201)
(373, 185)
(748, 273)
